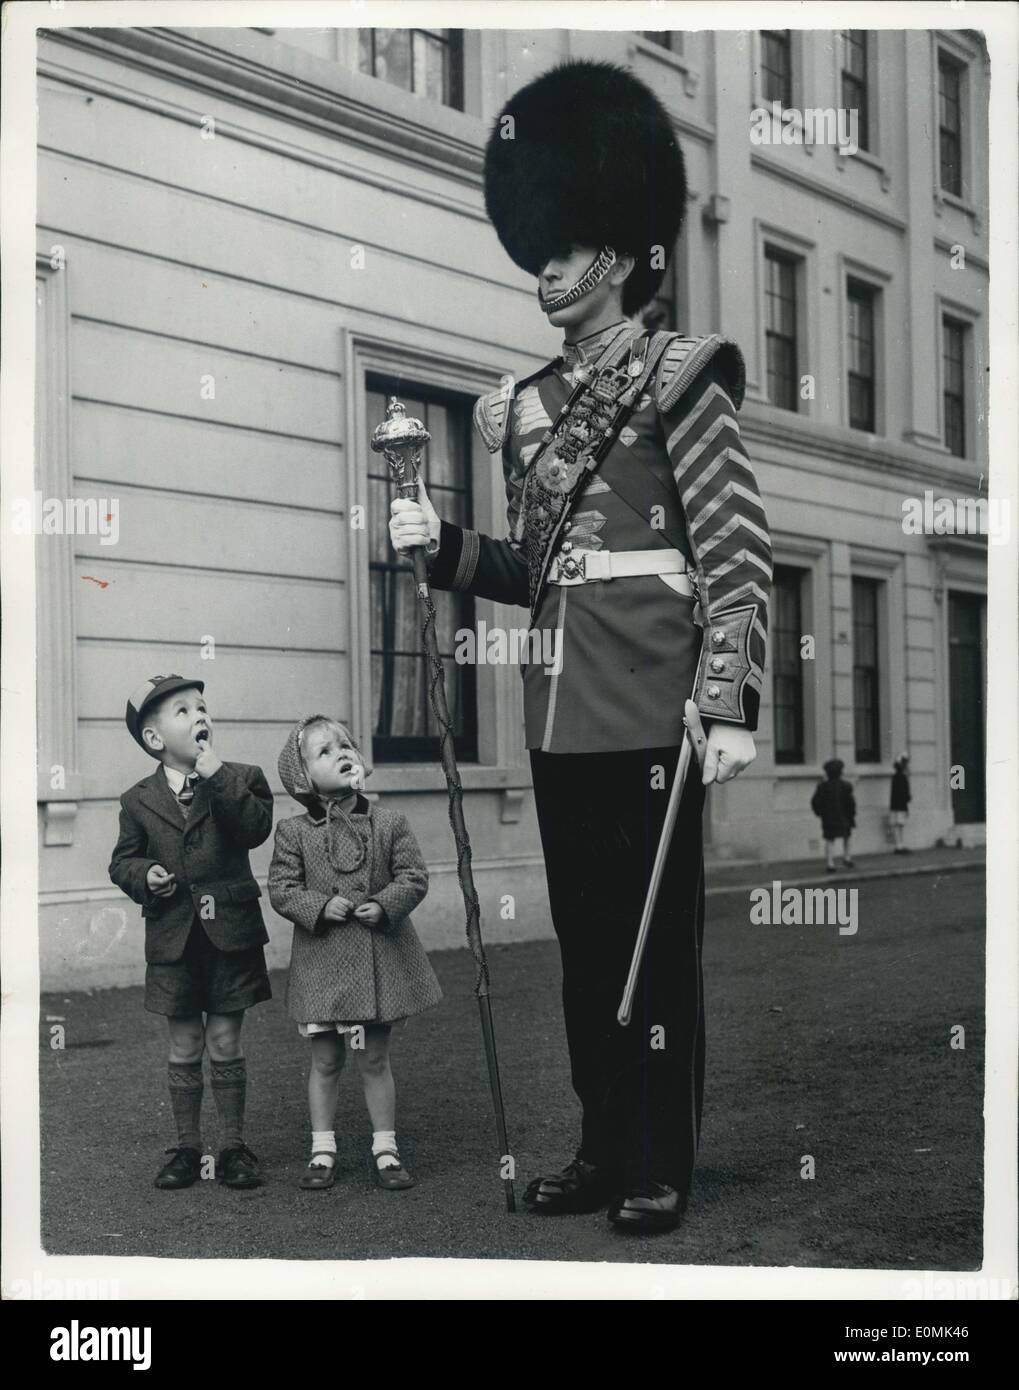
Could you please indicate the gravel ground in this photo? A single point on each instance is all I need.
(820, 1044)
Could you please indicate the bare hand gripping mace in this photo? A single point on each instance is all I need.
(401, 440)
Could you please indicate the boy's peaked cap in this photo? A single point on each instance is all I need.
(591, 159)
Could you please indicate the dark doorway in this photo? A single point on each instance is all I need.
(967, 617)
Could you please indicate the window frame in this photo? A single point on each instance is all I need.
(945, 57)
(501, 762)
(798, 756)
(962, 48)
(418, 748)
(813, 556)
(456, 49)
(799, 249)
(869, 755)
(947, 321)
(778, 255)
(789, 43)
(860, 292)
(865, 82)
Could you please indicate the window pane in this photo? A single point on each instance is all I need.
(860, 315)
(854, 81)
(866, 687)
(430, 60)
(780, 336)
(776, 67)
(392, 57)
(950, 125)
(787, 665)
(953, 388)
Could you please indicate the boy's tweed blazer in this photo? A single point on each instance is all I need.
(346, 972)
(231, 813)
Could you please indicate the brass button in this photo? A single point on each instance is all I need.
(717, 664)
(713, 692)
(718, 637)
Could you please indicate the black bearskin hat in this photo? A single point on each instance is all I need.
(590, 159)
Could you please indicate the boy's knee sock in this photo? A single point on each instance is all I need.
(229, 1086)
(185, 1080)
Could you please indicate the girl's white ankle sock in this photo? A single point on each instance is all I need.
(323, 1142)
(384, 1139)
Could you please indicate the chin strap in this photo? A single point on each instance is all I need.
(595, 272)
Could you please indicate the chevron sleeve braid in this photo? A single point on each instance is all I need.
(728, 533)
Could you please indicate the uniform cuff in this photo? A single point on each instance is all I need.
(454, 563)
(722, 689)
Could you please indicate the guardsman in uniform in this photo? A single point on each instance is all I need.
(637, 540)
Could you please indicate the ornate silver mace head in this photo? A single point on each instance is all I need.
(401, 438)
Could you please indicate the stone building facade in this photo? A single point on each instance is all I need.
(248, 238)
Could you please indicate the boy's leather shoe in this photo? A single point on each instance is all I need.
(238, 1167)
(651, 1207)
(183, 1169)
(580, 1187)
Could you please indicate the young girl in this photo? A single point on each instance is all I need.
(347, 874)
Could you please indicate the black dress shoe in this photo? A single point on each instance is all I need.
(651, 1207)
(580, 1187)
(183, 1169)
(238, 1167)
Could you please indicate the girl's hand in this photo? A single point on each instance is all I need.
(337, 909)
(369, 913)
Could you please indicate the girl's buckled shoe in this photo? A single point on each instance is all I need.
(392, 1179)
(319, 1175)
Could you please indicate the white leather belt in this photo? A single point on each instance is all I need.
(579, 566)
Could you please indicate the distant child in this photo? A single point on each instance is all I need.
(347, 874)
(901, 797)
(833, 801)
(185, 833)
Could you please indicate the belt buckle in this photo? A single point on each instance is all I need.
(572, 568)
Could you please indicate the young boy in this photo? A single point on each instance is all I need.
(185, 833)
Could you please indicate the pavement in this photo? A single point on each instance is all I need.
(725, 877)
(843, 1121)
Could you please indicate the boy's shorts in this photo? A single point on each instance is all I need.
(206, 980)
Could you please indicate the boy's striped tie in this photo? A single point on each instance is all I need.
(187, 794)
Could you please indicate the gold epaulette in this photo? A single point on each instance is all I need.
(492, 415)
(685, 357)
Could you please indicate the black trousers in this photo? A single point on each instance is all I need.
(641, 1088)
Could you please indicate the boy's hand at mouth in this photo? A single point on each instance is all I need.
(207, 761)
(160, 883)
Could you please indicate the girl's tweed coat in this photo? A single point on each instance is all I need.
(347, 972)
